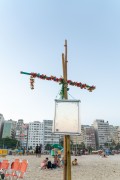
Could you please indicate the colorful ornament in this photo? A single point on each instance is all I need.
(60, 80)
(32, 82)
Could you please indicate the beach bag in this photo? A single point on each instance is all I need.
(49, 165)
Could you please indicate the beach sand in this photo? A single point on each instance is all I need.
(91, 167)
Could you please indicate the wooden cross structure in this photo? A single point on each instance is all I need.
(65, 82)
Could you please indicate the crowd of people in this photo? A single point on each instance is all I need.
(47, 164)
(57, 162)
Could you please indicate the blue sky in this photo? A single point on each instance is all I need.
(32, 35)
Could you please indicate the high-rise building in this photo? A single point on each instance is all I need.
(19, 129)
(25, 135)
(48, 136)
(22, 133)
(9, 129)
(118, 133)
(41, 133)
(35, 134)
(89, 136)
(113, 133)
(102, 132)
(1, 124)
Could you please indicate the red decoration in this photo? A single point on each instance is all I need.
(60, 80)
(32, 82)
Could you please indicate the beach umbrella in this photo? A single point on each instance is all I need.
(57, 146)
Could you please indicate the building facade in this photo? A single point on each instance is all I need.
(35, 134)
(48, 136)
(22, 133)
(114, 133)
(89, 136)
(102, 132)
(1, 124)
(41, 133)
(9, 129)
(118, 134)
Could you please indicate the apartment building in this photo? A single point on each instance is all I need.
(102, 132)
(114, 133)
(9, 129)
(22, 133)
(1, 124)
(35, 134)
(48, 136)
(89, 136)
(19, 129)
(118, 133)
(41, 133)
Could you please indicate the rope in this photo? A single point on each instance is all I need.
(58, 94)
(71, 96)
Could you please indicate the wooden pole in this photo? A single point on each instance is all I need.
(67, 155)
(65, 67)
(63, 64)
(65, 158)
(65, 138)
(68, 158)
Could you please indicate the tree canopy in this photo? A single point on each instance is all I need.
(8, 143)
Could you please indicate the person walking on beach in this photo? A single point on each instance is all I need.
(36, 151)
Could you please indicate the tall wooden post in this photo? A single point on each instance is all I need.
(67, 154)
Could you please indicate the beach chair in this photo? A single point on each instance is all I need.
(17, 160)
(22, 169)
(4, 167)
(18, 169)
(14, 170)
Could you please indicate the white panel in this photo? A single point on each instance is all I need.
(66, 119)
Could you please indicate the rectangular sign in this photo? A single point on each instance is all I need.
(66, 120)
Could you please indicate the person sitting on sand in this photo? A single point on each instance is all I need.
(44, 164)
(74, 162)
(56, 162)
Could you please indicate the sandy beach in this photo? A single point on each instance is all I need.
(91, 167)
